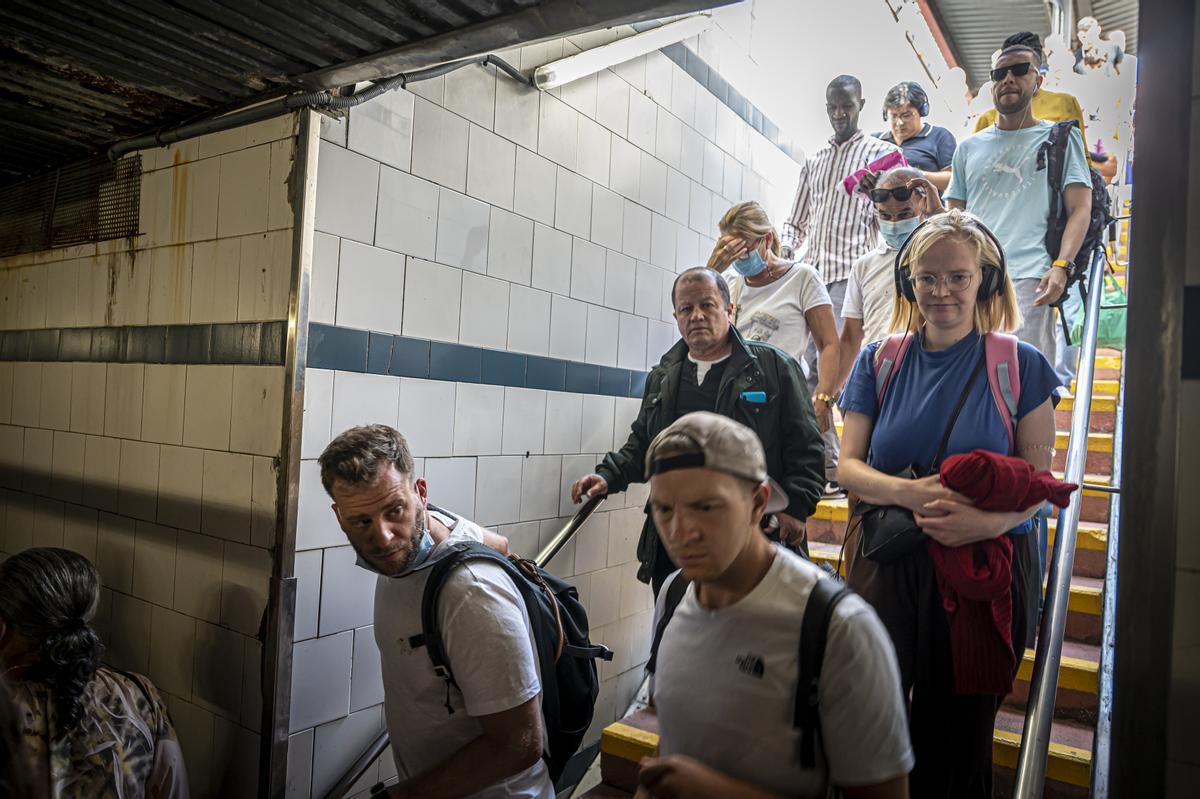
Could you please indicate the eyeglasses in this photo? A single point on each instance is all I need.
(901, 193)
(1019, 70)
(905, 116)
(955, 281)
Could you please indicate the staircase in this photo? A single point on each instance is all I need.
(1068, 771)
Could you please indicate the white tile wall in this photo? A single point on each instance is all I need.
(407, 217)
(556, 226)
(484, 321)
(491, 167)
(462, 237)
(129, 464)
(382, 129)
(534, 187)
(439, 150)
(346, 193)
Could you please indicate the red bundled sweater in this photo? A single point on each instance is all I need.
(976, 581)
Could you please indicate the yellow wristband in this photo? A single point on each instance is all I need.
(1061, 264)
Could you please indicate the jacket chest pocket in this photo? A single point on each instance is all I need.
(752, 406)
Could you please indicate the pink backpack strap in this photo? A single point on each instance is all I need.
(888, 356)
(1004, 378)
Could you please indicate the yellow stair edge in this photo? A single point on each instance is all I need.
(1099, 404)
(1108, 361)
(1085, 599)
(1075, 674)
(1065, 763)
(1102, 388)
(1097, 442)
(628, 743)
(1091, 537)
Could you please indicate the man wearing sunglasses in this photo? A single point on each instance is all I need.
(903, 198)
(998, 176)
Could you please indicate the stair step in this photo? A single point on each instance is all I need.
(1099, 404)
(1079, 670)
(1097, 442)
(1101, 388)
(1070, 755)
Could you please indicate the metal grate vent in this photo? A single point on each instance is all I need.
(92, 200)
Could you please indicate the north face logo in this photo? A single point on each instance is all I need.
(750, 664)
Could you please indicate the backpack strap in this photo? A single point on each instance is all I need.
(736, 299)
(814, 629)
(675, 591)
(1004, 378)
(888, 357)
(431, 634)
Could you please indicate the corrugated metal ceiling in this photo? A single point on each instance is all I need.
(81, 74)
(977, 28)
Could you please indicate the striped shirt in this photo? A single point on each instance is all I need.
(838, 228)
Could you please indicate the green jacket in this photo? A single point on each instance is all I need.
(785, 424)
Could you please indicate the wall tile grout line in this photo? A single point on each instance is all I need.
(348, 349)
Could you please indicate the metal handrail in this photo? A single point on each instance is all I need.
(1043, 687)
(380, 742)
(1101, 740)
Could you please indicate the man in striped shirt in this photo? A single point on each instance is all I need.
(837, 228)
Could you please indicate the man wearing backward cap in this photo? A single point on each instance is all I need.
(726, 660)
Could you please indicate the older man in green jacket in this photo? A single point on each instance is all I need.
(714, 369)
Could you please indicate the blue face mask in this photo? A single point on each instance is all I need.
(896, 233)
(424, 547)
(751, 265)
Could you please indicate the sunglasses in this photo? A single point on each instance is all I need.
(901, 193)
(1019, 70)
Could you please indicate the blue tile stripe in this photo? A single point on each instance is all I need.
(711, 80)
(350, 350)
(251, 343)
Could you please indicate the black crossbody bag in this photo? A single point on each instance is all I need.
(890, 532)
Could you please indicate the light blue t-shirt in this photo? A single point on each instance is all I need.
(995, 172)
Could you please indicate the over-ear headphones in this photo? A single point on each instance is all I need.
(993, 276)
(907, 92)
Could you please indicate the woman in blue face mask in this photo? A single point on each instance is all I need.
(777, 300)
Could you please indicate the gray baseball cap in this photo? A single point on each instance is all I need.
(723, 445)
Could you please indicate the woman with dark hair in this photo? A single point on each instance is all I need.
(927, 147)
(89, 730)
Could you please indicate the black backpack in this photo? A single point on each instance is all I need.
(1052, 156)
(814, 628)
(566, 658)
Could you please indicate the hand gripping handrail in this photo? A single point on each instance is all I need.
(1035, 739)
(377, 746)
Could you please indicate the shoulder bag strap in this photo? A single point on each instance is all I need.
(736, 297)
(962, 400)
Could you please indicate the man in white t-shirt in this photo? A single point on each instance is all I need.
(481, 736)
(903, 198)
(727, 664)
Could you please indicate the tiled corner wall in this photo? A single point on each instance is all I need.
(161, 467)
(473, 219)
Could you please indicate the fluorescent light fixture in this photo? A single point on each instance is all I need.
(589, 62)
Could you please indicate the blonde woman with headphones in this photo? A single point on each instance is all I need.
(780, 302)
(946, 382)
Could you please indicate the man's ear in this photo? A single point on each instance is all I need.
(1039, 81)
(337, 513)
(861, 102)
(422, 489)
(759, 508)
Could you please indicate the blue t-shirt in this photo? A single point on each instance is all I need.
(995, 172)
(923, 393)
(931, 150)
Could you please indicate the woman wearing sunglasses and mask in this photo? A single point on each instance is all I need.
(780, 302)
(953, 291)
